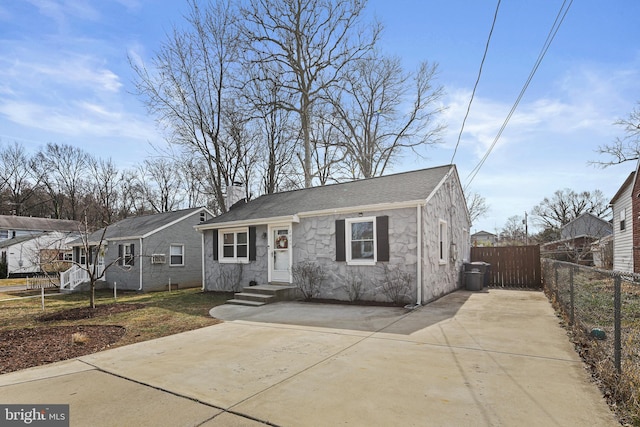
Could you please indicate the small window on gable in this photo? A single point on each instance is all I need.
(234, 245)
(361, 240)
(176, 255)
(442, 242)
(623, 215)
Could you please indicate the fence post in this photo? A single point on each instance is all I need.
(617, 302)
(42, 295)
(571, 297)
(556, 283)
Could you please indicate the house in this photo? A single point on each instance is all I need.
(144, 253)
(577, 238)
(586, 224)
(28, 254)
(413, 225)
(626, 229)
(484, 238)
(16, 226)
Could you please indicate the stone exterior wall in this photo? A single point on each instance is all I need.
(314, 239)
(233, 277)
(448, 205)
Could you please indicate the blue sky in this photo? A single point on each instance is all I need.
(65, 78)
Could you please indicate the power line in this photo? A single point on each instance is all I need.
(562, 13)
(475, 86)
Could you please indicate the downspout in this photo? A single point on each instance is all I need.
(140, 264)
(202, 249)
(419, 255)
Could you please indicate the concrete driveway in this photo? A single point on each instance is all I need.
(471, 358)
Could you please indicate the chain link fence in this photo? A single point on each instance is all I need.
(602, 311)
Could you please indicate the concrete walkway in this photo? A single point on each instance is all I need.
(483, 359)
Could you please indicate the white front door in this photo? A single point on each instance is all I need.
(280, 254)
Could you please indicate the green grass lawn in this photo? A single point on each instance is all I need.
(164, 313)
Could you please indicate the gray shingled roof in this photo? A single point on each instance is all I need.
(401, 187)
(12, 222)
(138, 226)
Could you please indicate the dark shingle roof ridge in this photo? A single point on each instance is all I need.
(336, 184)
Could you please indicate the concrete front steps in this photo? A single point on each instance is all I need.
(258, 295)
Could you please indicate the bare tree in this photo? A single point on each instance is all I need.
(16, 177)
(190, 85)
(63, 168)
(105, 182)
(274, 126)
(626, 148)
(513, 232)
(380, 110)
(566, 205)
(476, 205)
(161, 183)
(311, 42)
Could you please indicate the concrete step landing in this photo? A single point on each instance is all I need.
(256, 296)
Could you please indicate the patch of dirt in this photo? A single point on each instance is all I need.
(25, 348)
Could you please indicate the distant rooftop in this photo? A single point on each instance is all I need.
(29, 223)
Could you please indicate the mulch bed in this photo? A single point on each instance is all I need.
(25, 348)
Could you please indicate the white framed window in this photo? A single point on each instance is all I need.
(623, 217)
(176, 255)
(83, 257)
(127, 255)
(234, 245)
(361, 241)
(442, 242)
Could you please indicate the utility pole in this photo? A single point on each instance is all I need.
(526, 229)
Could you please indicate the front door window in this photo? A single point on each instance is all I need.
(280, 263)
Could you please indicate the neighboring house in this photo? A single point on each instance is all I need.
(484, 238)
(626, 229)
(16, 226)
(144, 253)
(40, 253)
(415, 223)
(586, 225)
(577, 238)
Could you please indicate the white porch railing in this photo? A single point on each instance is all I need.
(75, 275)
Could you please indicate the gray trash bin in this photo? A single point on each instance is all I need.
(483, 267)
(474, 280)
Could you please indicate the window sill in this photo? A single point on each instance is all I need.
(361, 262)
(233, 261)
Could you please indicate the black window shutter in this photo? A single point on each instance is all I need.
(214, 237)
(133, 254)
(341, 254)
(120, 255)
(90, 256)
(252, 243)
(382, 235)
(76, 254)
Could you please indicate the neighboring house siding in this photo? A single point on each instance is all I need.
(157, 276)
(634, 225)
(623, 239)
(24, 258)
(125, 277)
(189, 275)
(586, 225)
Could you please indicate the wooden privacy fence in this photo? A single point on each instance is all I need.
(511, 266)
